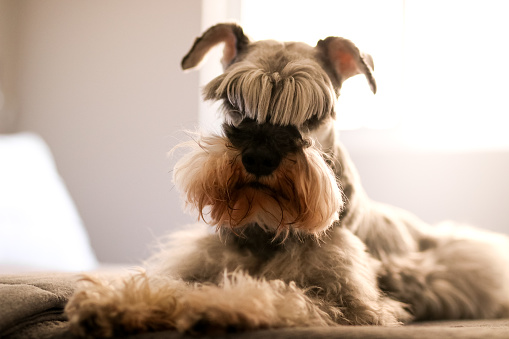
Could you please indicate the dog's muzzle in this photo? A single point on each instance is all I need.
(263, 146)
(260, 160)
(259, 174)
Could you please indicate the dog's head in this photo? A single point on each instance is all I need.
(270, 167)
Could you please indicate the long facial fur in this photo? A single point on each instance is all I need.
(302, 194)
(272, 86)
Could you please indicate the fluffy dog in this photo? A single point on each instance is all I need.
(297, 242)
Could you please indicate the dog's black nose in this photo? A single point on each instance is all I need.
(260, 160)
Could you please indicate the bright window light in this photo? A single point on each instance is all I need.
(456, 83)
(441, 65)
(374, 26)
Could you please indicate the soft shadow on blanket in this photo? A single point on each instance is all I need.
(31, 306)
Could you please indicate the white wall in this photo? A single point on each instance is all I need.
(101, 82)
(9, 11)
(465, 186)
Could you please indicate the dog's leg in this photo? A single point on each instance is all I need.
(337, 274)
(137, 303)
(209, 300)
(340, 276)
(305, 283)
(144, 303)
(150, 301)
(241, 302)
(460, 273)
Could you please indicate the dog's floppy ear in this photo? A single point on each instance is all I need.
(346, 60)
(234, 41)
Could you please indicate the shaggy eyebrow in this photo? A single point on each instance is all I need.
(292, 96)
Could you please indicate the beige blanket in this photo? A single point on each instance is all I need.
(31, 306)
(33, 300)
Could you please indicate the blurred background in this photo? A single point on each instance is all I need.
(100, 82)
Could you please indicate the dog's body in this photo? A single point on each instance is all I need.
(298, 242)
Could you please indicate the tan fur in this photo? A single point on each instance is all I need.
(135, 304)
(303, 193)
(302, 245)
(290, 95)
(237, 300)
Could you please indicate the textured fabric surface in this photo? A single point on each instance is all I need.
(31, 307)
(33, 298)
(444, 330)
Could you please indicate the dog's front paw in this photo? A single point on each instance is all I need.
(102, 309)
(213, 311)
(242, 303)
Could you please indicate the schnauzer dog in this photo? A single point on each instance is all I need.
(297, 242)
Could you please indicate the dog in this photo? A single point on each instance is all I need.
(297, 241)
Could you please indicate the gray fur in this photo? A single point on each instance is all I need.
(275, 83)
(371, 264)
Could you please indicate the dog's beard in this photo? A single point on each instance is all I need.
(302, 194)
